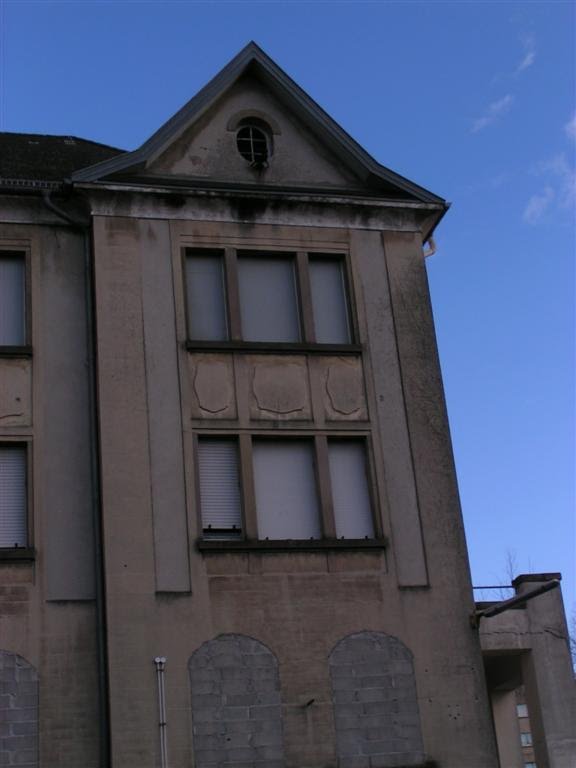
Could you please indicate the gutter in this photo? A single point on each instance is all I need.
(100, 584)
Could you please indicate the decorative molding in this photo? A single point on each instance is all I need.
(280, 389)
(212, 387)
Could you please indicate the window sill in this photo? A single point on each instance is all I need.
(290, 545)
(274, 348)
(17, 553)
(12, 351)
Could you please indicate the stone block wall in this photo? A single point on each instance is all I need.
(18, 712)
(236, 706)
(375, 703)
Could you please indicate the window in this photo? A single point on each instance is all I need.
(268, 299)
(521, 710)
(285, 489)
(252, 144)
(350, 493)
(261, 297)
(327, 284)
(12, 299)
(526, 739)
(219, 488)
(207, 318)
(13, 506)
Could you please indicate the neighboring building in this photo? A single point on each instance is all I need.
(530, 678)
(223, 442)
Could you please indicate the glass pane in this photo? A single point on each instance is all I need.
(219, 488)
(268, 302)
(329, 301)
(350, 493)
(12, 300)
(206, 297)
(285, 488)
(13, 524)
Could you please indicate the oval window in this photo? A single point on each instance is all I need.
(253, 144)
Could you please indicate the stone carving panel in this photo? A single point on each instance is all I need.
(213, 387)
(236, 704)
(279, 389)
(343, 395)
(15, 393)
(375, 702)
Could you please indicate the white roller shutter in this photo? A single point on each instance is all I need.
(13, 522)
(219, 488)
(350, 493)
(12, 300)
(285, 486)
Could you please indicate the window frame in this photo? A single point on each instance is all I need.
(526, 739)
(248, 540)
(303, 297)
(21, 350)
(26, 552)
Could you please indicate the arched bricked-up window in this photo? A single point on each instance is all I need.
(18, 712)
(375, 704)
(236, 710)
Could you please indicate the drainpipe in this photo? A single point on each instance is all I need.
(160, 662)
(505, 605)
(431, 250)
(100, 590)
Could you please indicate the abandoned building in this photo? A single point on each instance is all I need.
(230, 532)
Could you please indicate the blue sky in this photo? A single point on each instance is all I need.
(474, 101)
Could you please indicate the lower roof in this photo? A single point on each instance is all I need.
(36, 157)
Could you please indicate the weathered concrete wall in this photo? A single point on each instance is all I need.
(46, 608)
(62, 441)
(300, 605)
(540, 634)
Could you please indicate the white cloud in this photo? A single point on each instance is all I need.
(495, 110)
(558, 168)
(570, 127)
(560, 187)
(537, 205)
(529, 55)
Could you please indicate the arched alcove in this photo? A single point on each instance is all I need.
(18, 711)
(236, 704)
(375, 703)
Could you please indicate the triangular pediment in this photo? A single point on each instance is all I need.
(307, 149)
(207, 149)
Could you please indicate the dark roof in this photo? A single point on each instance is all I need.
(35, 157)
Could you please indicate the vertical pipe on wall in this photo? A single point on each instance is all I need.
(100, 578)
(160, 662)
